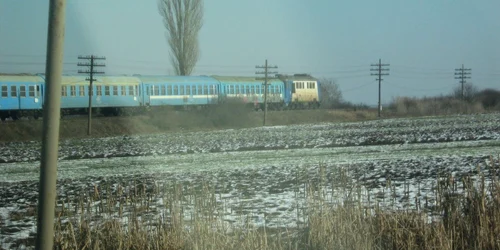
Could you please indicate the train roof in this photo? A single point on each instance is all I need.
(176, 79)
(298, 77)
(100, 80)
(243, 79)
(20, 78)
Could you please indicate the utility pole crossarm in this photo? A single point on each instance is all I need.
(461, 74)
(266, 72)
(91, 72)
(378, 68)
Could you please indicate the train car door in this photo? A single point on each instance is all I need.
(146, 97)
(289, 90)
(29, 96)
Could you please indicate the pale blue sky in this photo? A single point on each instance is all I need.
(424, 41)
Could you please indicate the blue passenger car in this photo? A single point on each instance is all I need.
(179, 90)
(250, 90)
(21, 95)
(109, 93)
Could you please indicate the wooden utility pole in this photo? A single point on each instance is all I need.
(266, 73)
(91, 79)
(50, 135)
(379, 73)
(461, 74)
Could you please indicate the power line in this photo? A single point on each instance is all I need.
(33, 63)
(358, 87)
(416, 89)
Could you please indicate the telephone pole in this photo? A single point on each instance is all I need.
(266, 73)
(461, 74)
(51, 119)
(378, 68)
(92, 64)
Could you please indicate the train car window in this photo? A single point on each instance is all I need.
(156, 90)
(194, 90)
(72, 90)
(188, 90)
(205, 89)
(106, 90)
(163, 90)
(181, 90)
(123, 90)
(215, 90)
(98, 90)
(31, 92)
(176, 90)
(169, 90)
(22, 91)
(64, 91)
(13, 91)
(115, 90)
(131, 90)
(138, 90)
(81, 90)
(5, 92)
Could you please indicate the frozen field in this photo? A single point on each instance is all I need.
(259, 174)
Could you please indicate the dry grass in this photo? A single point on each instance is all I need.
(434, 106)
(466, 216)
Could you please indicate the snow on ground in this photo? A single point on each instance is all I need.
(259, 175)
(381, 132)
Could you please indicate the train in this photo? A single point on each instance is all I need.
(22, 95)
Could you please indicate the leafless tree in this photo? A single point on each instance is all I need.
(331, 96)
(183, 20)
(470, 92)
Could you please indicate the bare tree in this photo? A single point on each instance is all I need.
(331, 96)
(470, 92)
(183, 20)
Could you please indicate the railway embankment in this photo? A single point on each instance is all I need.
(175, 121)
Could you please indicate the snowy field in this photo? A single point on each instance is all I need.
(261, 174)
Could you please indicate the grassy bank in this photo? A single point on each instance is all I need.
(224, 116)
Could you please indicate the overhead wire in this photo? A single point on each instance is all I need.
(417, 89)
(358, 87)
